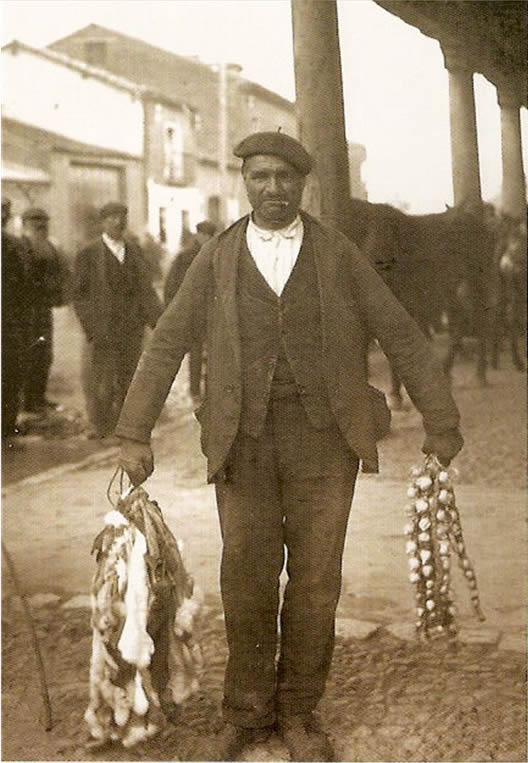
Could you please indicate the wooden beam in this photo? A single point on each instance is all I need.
(320, 107)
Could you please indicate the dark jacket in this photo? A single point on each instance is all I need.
(178, 268)
(355, 304)
(48, 283)
(15, 305)
(93, 298)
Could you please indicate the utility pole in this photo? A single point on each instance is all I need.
(320, 106)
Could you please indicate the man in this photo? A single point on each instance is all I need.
(205, 230)
(47, 278)
(114, 301)
(288, 306)
(14, 329)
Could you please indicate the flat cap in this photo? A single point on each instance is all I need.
(113, 208)
(278, 144)
(34, 213)
(207, 227)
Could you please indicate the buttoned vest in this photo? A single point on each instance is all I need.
(281, 341)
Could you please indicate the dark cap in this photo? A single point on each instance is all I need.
(207, 227)
(113, 208)
(277, 144)
(34, 213)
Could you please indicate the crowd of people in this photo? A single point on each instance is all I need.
(36, 278)
(110, 285)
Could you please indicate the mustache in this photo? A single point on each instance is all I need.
(277, 200)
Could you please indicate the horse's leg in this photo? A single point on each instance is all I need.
(496, 335)
(455, 339)
(516, 314)
(394, 397)
(482, 326)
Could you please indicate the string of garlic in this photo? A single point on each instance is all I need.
(433, 532)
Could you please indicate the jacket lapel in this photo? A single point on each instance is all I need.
(225, 264)
(325, 265)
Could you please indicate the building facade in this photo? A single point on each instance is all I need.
(85, 137)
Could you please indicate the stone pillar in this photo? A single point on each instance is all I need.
(509, 96)
(463, 122)
(320, 108)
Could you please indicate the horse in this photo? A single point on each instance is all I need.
(438, 266)
(511, 289)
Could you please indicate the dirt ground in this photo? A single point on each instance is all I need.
(387, 699)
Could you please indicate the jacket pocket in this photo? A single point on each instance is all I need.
(380, 412)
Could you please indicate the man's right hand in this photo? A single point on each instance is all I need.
(136, 459)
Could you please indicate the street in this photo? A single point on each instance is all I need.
(389, 698)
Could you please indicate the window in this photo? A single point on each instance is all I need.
(173, 152)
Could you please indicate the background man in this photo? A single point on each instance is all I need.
(14, 328)
(288, 306)
(179, 266)
(47, 279)
(114, 301)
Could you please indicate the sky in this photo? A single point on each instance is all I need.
(395, 83)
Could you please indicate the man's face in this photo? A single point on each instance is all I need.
(114, 225)
(36, 230)
(274, 189)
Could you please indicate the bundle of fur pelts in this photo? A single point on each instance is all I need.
(145, 656)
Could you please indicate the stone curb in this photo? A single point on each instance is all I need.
(346, 627)
(93, 460)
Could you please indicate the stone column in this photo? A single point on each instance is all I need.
(463, 122)
(320, 108)
(509, 96)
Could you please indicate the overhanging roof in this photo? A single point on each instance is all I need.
(490, 35)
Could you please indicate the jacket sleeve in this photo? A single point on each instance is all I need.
(151, 305)
(58, 279)
(405, 346)
(182, 323)
(83, 302)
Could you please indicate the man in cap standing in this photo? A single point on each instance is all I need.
(287, 306)
(14, 328)
(114, 300)
(47, 278)
(205, 230)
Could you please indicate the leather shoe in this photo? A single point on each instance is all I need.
(231, 740)
(304, 740)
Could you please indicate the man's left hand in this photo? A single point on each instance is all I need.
(445, 446)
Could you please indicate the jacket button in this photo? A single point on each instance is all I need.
(229, 388)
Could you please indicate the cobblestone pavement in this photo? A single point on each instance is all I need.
(388, 698)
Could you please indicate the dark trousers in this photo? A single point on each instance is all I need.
(12, 380)
(106, 373)
(287, 496)
(39, 360)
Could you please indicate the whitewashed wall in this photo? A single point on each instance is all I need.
(54, 97)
